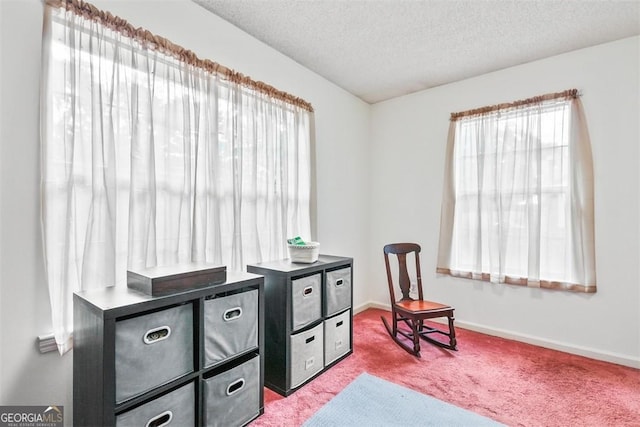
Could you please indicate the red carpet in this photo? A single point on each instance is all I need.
(513, 383)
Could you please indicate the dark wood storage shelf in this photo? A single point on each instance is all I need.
(279, 321)
(96, 313)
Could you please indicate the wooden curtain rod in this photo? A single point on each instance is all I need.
(152, 41)
(567, 94)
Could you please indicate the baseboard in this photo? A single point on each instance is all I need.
(371, 304)
(553, 345)
(618, 359)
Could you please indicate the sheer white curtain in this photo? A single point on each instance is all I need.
(149, 161)
(518, 197)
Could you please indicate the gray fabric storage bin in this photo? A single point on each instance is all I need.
(174, 409)
(230, 326)
(307, 354)
(337, 333)
(153, 349)
(306, 300)
(232, 398)
(337, 290)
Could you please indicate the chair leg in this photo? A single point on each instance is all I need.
(452, 334)
(416, 336)
(395, 323)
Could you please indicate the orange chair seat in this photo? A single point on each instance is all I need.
(422, 305)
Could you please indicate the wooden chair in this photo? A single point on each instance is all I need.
(414, 312)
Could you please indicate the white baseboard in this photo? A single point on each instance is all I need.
(371, 304)
(619, 359)
(554, 345)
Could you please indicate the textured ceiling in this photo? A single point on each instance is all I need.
(380, 49)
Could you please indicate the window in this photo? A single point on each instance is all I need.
(518, 202)
(151, 160)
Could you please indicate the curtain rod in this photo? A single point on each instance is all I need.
(567, 94)
(161, 44)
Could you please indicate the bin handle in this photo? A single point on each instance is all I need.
(235, 387)
(155, 335)
(307, 291)
(339, 282)
(160, 420)
(232, 314)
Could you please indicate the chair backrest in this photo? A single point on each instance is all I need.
(401, 250)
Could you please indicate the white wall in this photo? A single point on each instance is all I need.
(408, 145)
(342, 130)
(26, 376)
(1, 198)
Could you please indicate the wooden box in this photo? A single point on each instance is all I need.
(158, 281)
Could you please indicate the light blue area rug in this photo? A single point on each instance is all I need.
(370, 401)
